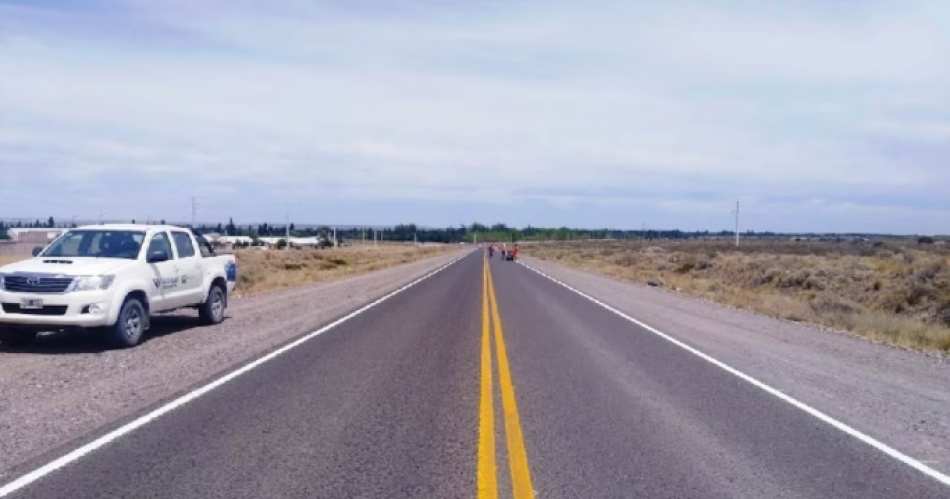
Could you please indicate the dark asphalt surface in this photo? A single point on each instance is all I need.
(386, 406)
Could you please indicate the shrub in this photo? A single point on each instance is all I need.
(894, 290)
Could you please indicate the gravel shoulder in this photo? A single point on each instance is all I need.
(899, 397)
(67, 386)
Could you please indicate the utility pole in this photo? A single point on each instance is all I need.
(336, 242)
(194, 210)
(737, 223)
(287, 231)
(364, 236)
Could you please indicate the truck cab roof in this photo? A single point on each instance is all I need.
(131, 227)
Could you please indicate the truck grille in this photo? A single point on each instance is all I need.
(36, 284)
(14, 308)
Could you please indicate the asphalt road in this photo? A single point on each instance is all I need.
(472, 384)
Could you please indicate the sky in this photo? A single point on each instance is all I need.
(817, 115)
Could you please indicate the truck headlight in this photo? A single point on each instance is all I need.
(91, 283)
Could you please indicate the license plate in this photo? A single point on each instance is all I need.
(31, 303)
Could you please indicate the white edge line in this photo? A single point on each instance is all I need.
(113, 435)
(894, 453)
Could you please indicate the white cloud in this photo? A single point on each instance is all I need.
(485, 103)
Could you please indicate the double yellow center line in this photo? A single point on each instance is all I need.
(517, 456)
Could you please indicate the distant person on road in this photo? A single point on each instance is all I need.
(491, 250)
(504, 250)
(514, 253)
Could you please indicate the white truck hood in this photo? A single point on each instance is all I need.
(59, 266)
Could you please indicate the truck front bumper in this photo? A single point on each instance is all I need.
(85, 309)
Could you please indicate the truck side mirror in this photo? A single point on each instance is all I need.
(37, 250)
(157, 256)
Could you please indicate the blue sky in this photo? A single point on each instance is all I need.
(817, 115)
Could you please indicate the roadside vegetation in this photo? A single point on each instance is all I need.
(895, 292)
(6, 258)
(262, 271)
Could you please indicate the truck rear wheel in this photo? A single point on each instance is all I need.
(13, 337)
(130, 326)
(211, 312)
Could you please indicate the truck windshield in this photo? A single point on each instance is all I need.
(97, 244)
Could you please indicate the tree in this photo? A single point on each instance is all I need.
(163, 221)
(51, 223)
(281, 243)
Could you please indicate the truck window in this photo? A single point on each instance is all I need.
(183, 244)
(98, 244)
(160, 243)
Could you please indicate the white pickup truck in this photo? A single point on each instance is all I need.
(113, 277)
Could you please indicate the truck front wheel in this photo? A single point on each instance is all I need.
(13, 337)
(130, 326)
(212, 310)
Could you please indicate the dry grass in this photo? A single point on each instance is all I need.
(11, 258)
(260, 271)
(898, 293)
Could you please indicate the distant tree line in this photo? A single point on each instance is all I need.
(498, 232)
(49, 223)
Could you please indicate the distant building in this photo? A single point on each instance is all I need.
(235, 239)
(36, 236)
(300, 242)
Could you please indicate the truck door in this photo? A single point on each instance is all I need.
(165, 274)
(190, 270)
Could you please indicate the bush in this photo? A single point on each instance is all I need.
(690, 264)
(896, 290)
